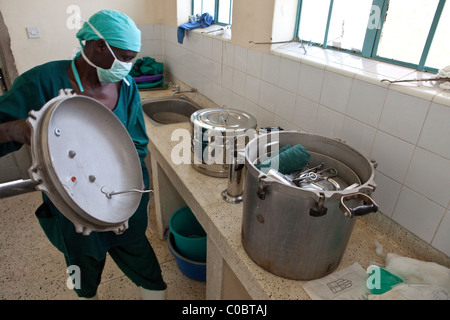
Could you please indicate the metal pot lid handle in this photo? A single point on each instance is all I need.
(224, 114)
(109, 194)
(368, 206)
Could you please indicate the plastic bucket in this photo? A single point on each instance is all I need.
(191, 269)
(189, 236)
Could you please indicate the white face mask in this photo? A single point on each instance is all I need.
(119, 69)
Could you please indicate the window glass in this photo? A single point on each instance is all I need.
(406, 29)
(225, 11)
(202, 6)
(438, 57)
(197, 7)
(313, 20)
(348, 24)
(208, 6)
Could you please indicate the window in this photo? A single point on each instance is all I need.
(219, 9)
(412, 33)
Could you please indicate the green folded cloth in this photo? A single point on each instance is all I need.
(265, 165)
(146, 66)
(288, 160)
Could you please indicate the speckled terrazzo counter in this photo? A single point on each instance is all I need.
(222, 222)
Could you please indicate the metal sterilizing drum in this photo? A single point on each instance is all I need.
(215, 132)
(301, 233)
(81, 156)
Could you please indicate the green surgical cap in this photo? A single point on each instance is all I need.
(117, 28)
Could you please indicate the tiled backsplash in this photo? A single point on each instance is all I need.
(404, 127)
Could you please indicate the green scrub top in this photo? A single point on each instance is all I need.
(31, 91)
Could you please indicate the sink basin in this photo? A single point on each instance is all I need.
(169, 110)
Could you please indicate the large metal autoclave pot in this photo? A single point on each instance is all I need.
(302, 233)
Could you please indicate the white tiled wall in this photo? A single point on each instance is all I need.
(405, 128)
(151, 36)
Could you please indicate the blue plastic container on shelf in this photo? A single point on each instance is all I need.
(188, 234)
(191, 269)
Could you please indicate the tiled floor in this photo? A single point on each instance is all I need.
(32, 269)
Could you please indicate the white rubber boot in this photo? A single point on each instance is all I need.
(153, 294)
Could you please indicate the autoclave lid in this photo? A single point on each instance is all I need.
(81, 154)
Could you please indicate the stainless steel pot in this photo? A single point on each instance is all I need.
(302, 233)
(214, 133)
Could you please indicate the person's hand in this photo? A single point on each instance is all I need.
(21, 131)
(17, 131)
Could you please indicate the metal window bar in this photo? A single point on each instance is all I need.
(431, 33)
(216, 11)
(230, 18)
(297, 19)
(330, 11)
(373, 34)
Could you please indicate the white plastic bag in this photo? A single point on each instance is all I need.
(444, 73)
(405, 291)
(414, 271)
(423, 280)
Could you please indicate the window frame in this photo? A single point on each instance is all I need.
(372, 36)
(216, 11)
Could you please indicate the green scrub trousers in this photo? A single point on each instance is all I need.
(136, 260)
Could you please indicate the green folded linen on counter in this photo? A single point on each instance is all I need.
(288, 160)
(146, 66)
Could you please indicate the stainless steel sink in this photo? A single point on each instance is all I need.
(169, 110)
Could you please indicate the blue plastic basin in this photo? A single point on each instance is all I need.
(191, 269)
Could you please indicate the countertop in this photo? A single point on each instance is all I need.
(155, 93)
(222, 222)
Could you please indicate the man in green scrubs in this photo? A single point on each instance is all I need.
(110, 40)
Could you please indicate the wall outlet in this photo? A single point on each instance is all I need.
(33, 32)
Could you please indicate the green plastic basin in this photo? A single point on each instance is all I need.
(188, 234)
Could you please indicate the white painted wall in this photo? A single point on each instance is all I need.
(57, 40)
